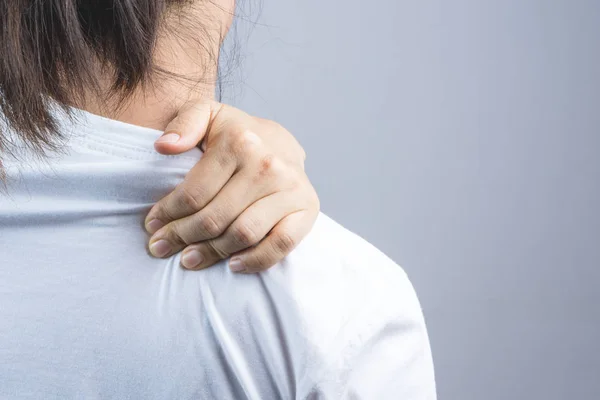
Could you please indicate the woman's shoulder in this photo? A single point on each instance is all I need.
(332, 243)
(340, 270)
(344, 293)
(319, 311)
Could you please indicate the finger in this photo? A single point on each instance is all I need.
(200, 186)
(188, 128)
(247, 230)
(220, 213)
(222, 158)
(284, 237)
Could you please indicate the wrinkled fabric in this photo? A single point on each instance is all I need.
(87, 313)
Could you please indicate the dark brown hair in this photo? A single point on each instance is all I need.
(51, 52)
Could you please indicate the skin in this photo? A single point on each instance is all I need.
(248, 197)
(242, 198)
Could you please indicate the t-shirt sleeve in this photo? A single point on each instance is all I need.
(384, 353)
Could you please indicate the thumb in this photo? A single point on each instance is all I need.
(188, 128)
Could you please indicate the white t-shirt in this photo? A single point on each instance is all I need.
(87, 313)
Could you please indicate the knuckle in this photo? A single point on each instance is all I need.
(270, 166)
(266, 163)
(244, 235)
(166, 214)
(175, 236)
(215, 250)
(189, 198)
(283, 243)
(190, 231)
(209, 224)
(242, 141)
(159, 211)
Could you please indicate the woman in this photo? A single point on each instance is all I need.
(88, 313)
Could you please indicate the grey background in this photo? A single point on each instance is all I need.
(461, 138)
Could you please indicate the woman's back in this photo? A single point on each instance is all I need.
(87, 313)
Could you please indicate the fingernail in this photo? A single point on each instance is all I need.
(168, 138)
(160, 248)
(192, 259)
(236, 265)
(154, 225)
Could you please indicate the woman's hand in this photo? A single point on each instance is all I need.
(248, 196)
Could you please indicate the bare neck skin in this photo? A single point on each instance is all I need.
(191, 54)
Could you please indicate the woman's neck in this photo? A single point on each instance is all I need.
(154, 108)
(182, 51)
